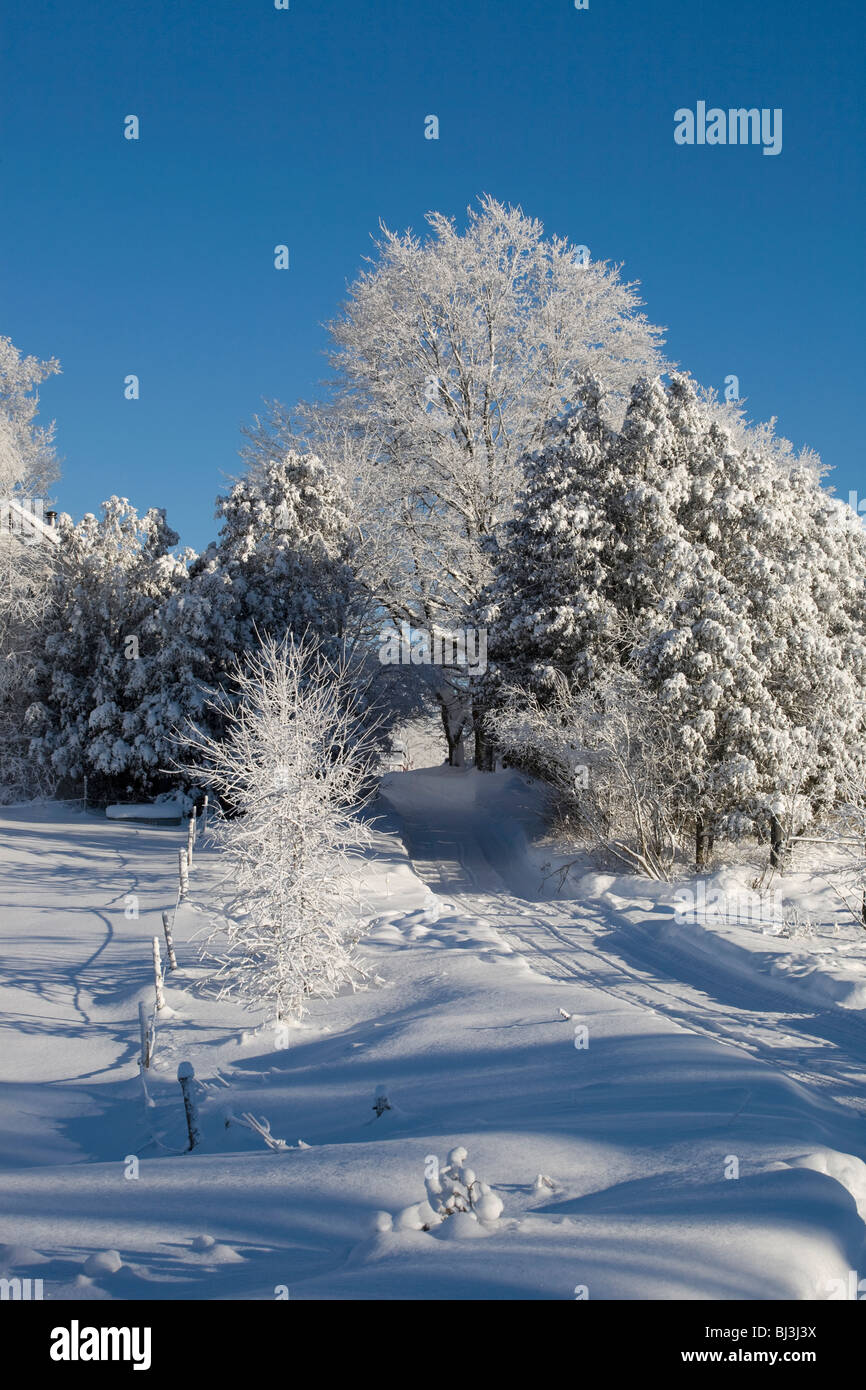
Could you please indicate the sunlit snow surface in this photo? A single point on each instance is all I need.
(708, 1050)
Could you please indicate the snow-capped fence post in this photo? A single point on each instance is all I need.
(146, 1035)
(85, 794)
(190, 839)
(186, 1075)
(169, 942)
(204, 814)
(157, 976)
(183, 873)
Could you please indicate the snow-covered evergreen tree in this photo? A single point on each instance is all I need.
(710, 561)
(284, 551)
(550, 608)
(138, 638)
(92, 712)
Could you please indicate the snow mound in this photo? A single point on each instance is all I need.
(463, 1225)
(844, 1168)
(210, 1251)
(13, 1255)
(811, 973)
(103, 1262)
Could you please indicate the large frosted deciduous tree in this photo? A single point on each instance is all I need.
(450, 356)
(454, 352)
(292, 772)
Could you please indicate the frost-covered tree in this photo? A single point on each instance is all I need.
(284, 555)
(710, 560)
(613, 760)
(450, 356)
(137, 637)
(28, 467)
(458, 349)
(193, 631)
(550, 608)
(761, 658)
(28, 463)
(94, 713)
(292, 771)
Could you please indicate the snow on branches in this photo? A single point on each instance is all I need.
(709, 562)
(292, 773)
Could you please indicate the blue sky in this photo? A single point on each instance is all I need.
(306, 127)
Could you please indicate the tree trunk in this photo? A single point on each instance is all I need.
(777, 842)
(701, 842)
(454, 738)
(483, 747)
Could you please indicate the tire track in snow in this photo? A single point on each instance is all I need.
(542, 929)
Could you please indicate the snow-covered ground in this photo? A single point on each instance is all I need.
(666, 1109)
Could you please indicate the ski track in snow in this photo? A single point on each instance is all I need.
(558, 940)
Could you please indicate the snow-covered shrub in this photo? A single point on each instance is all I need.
(846, 835)
(609, 755)
(452, 1190)
(797, 924)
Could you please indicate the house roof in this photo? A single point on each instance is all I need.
(15, 516)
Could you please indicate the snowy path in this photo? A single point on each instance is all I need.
(461, 855)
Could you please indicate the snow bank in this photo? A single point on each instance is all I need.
(810, 975)
(167, 811)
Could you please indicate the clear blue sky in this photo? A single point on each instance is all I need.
(306, 126)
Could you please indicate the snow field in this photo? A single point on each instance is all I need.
(609, 1158)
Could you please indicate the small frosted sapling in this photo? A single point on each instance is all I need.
(295, 767)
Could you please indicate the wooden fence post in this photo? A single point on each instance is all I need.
(157, 976)
(169, 942)
(186, 1075)
(144, 1031)
(183, 873)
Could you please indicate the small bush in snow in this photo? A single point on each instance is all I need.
(452, 1189)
